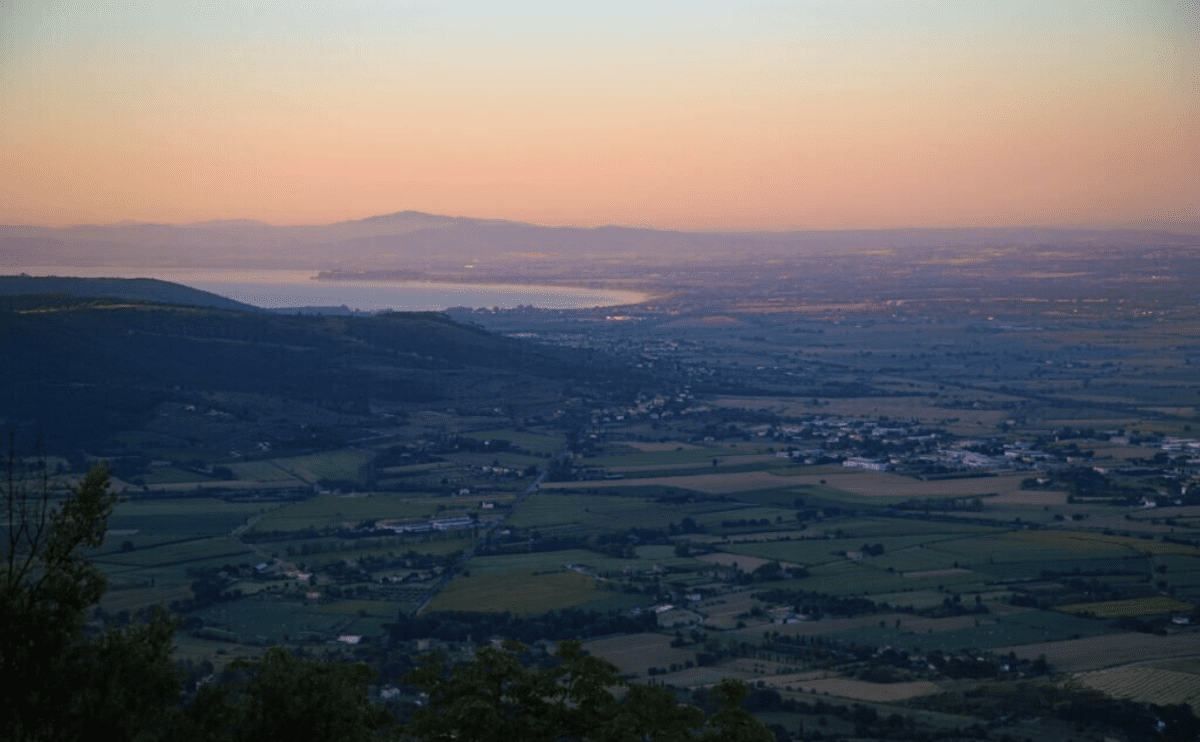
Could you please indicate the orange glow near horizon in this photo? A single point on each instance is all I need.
(730, 120)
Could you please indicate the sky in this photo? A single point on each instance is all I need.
(677, 115)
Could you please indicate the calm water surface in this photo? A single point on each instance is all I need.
(288, 288)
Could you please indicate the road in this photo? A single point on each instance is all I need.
(480, 538)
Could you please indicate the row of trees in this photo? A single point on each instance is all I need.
(68, 680)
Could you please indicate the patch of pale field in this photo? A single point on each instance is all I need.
(894, 485)
(1097, 652)
(713, 484)
(743, 562)
(1175, 411)
(1123, 453)
(722, 612)
(1132, 607)
(1029, 497)
(861, 690)
(639, 652)
(1145, 684)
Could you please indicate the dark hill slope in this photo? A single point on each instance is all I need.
(87, 369)
(137, 289)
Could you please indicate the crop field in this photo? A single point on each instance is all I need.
(129, 596)
(858, 578)
(1095, 652)
(186, 508)
(186, 521)
(553, 510)
(334, 511)
(871, 527)
(1074, 541)
(171, 475)
(1027, 497)
(741, 561)
(327, 465)
(715, 483)
(507, 459)
(1034, 546)
(718, 513)
(676, 456)
(1132, 607)
(261, 471)
(535, 442)
(662, 446)
(1145, 684)
(517, 592)
(637, 653)
(787, 495)
(962, 632)
(823, 551)
(722, 612)
(277, 620)
(923, 409)
(180, 552)
(859, 690)
(667, 471)
(915, 562)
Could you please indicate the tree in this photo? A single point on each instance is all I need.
(63, 683)
(287, 698)
(731, 722)
(497, 698)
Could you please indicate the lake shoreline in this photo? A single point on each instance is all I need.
(291, 288)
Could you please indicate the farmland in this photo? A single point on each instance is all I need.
(883, 502)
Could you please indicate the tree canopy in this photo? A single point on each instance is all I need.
(497, 697)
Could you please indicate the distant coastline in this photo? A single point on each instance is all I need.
(275, 289)
(632, 287)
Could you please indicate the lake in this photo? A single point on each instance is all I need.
(272, 289)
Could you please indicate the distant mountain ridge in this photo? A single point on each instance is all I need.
(419, 240)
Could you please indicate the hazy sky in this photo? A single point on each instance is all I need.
(687, 114)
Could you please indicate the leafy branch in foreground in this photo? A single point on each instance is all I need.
(69, 685)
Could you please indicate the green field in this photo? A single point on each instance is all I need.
(337, 511)
(633, 457)
(536, 442)
(550, 511)
(327, 465)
